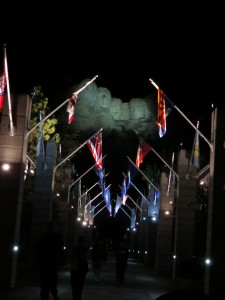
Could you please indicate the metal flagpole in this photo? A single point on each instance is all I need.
(70, 155)
(93, 187)
(134, 203)
(68, 197)
(100, 210)
(183, 115)
(124, 211)
(139, 191)
(11, 126)
(142, 174)
(131, 198)
(57, 108)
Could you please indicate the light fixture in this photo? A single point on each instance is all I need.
(5, 167)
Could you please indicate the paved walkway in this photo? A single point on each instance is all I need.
(141, 283)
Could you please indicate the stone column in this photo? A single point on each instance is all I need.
(164, 249)
(42, 203)
(13, 151)
(215, 244)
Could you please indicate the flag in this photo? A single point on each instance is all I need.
(2, 90)
(161, 121)
(91, 215)
(86, 207)
(40, 143)
(124, 190)
(196, 153)
(95, 146)
(133, 218)
(107, 197)
(133, 171)
(171, 177)
(71, 107)
(143, 149)
(203, 177)
(118, 204)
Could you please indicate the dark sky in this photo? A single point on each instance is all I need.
(180, 46)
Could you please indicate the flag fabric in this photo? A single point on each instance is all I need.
(143, 149)
(124, 190)
(107, 197)
(2, 90)
(40, 143)
(133, 218)
(203, 177)
(196, 153)
(91, 215)
(71, 108)
(86, 207)
(171, 177)
(101, 175)
(161, 120)
(95, 146)
(133, 171)
(118, 204)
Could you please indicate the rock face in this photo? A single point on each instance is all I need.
(96, 108)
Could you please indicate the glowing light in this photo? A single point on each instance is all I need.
(167, 212)
(174, 256)
(208, 261)
(15, 248)
(5, 167)
(154, 218)
(84, 223)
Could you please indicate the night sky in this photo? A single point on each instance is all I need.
(179, 46)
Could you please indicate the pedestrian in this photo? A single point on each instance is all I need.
(79, 267)
(50, 255)
(98, 256)
(121, 253)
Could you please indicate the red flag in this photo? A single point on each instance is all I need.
(95, 145)
(161, 121)
(71, 108)
(2, 90)
(142, 151)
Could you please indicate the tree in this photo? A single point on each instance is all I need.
(40, 104)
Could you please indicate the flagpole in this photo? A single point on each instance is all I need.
(93, 187)
(68, 197)
(58, 107)
(11, 126)
(183, 115)
(134, 203)
(100, 211)
(142, 173)
(125, 212)
(139, 191)
(70, 155)
(130, 196)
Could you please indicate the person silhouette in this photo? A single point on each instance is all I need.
(99, 256)
(50, 256)
(121, 253)
(78, 267)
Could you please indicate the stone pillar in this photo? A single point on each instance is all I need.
(215, 244)
(164, 250)
(42, 203)
(13, 151)
(184, 235)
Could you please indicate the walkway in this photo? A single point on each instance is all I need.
(141, 283)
